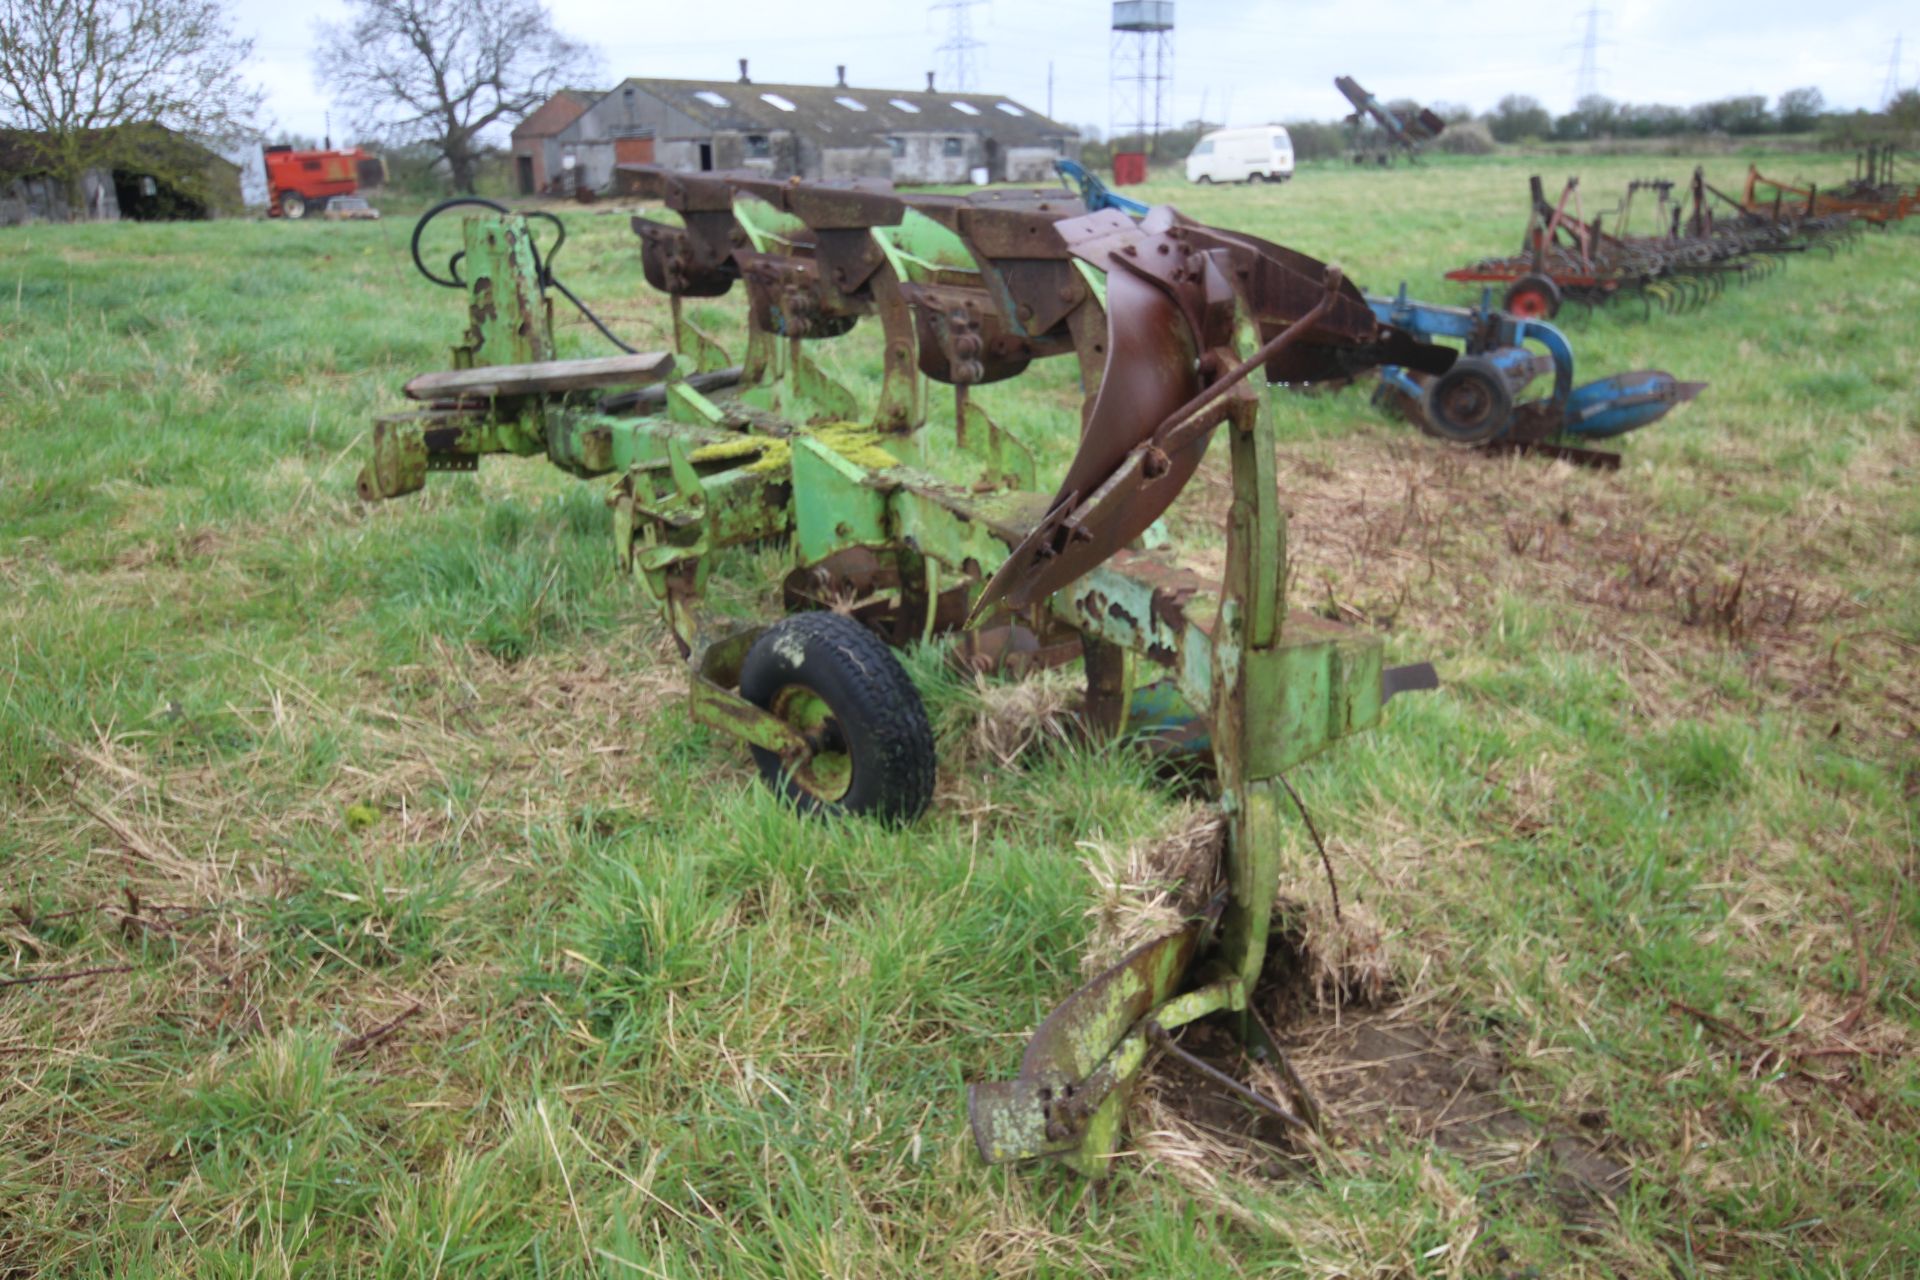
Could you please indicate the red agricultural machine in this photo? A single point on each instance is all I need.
(1872, 196)
(1702, 241)
(303, 182)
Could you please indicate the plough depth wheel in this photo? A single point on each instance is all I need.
(1533, 297)
(1469, 403)
(838, 686)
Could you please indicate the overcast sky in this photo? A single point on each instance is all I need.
(1248, 61)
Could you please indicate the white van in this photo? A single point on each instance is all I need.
(1264, 154)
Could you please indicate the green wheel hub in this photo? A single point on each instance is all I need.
(826, 771)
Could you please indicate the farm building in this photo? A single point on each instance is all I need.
(152, 174)
(807, 131)
(536, 140)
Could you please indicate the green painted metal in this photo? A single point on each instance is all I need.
(695, 344)
(722, 709)
(788, 384)
(944, 524)
(824, 773)
(812, 386)
(1276, 693)
(581, 446)
(510, 318)
(836, 503)
(769, 230)
(684, 404)
(920, 249)
(397, 459)
(638, 441)
(902, 406)
(712, 702)
(1077, 1058)
(1004, 454)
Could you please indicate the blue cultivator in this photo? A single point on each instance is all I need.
(1477, 402)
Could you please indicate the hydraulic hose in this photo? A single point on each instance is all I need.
(542, 264)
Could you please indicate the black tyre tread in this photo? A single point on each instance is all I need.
(1465, 367)
(875, 685)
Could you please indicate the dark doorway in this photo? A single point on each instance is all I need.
(144, 198)
(706, 156)
(525, 164)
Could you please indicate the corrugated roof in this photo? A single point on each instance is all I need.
(839, 115)
(540, 122)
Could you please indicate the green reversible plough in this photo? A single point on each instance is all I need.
(1178, 330)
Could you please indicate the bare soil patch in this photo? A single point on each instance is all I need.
(1401, 1070)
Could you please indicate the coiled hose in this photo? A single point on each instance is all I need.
(542, 265)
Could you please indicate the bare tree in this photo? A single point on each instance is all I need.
(85, 81)
(445, 71)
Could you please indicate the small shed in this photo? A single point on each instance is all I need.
(813, 131)
(146, 173)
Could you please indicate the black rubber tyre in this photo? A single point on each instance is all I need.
(840, 685)
(1256, 177)
(1205, 180)
(1532, 297)
(293, 205)
(1469, 403)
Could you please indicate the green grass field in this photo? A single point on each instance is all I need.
(434, 941)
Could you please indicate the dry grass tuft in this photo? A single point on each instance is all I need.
(1148, 888)
(1346, 957)
(1011, 718)
(1415, 536)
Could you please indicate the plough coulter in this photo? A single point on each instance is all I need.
(1699, 247)
(1176, 328)
(1477, 402)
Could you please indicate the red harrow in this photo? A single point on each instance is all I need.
(1700, 247)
